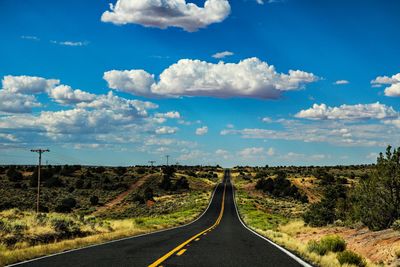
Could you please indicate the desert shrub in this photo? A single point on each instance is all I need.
(329, 243)
(333, 243)
(181, 183)
(65, 227)
(139, 221)
(66, 205)
(53, 182)
(148, 194)
(168, 173)
(141, 170)
(138, 198)
(396, 225)
(349, 257)
(100, 169)
(280, 187)
(316, 247)
(13, 175)
(41, 219)
(94, 200)
(45, 174)
(79, 183)
(120, 170)
(4, 226)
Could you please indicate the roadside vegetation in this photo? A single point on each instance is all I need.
(354, 208)
(148, 199)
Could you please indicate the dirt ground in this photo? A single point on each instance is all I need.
(378, 247)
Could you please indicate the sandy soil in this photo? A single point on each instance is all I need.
(118, 199)
(379, 247)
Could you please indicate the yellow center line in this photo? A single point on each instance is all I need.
(179, 247)
(180, 252)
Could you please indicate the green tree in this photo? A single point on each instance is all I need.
(378, 195)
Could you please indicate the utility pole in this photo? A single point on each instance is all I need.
(40, 152)
(152, 162)
(167, 156)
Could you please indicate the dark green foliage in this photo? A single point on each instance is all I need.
(66, 205)
(66, 228)
(53, 182)
(327, 210)
(120, 170)
(94, 200)
(324, 177)
(330, 243)
(79, 183)
(148, 194)
(181, 183)
(168, 173)
(100, 169)
(139, 198)
(280, 187)
(13, 175)
(378, 196)
(45, 174)
(141, 170)
(349, 257)
(68, 170)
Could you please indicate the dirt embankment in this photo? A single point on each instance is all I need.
(379, 246)
(118, 199)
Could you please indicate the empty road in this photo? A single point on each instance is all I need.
(218, 238)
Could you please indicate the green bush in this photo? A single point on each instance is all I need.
(65, 227)
(396, 225)
(329, 243)
(349, 257)
(333, 243)
(13, 175)
(94, 200)
(316, 247)
(66, 205)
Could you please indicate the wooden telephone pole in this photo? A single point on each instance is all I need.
(40, 152)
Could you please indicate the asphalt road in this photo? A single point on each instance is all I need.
(218, 238)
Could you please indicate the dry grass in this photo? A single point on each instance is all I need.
(287, 232)
(95, 230)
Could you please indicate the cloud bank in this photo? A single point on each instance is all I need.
(167, 13)
(251, 78)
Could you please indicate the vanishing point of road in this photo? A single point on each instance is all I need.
(217, 238)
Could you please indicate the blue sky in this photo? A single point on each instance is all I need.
(132, 83)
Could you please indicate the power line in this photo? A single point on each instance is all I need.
(167, 156)
(40, 152)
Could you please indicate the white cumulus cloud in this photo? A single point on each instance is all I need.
(166, 130)
(393, 88)
(340, 82)
(252, 152)
(251, 78)
(64, 94)
(167, 13)
(222, 54)
(348, 112)
(202, 130)
(28, 84)
(136, 82)
(17, 103)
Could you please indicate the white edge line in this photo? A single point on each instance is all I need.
(121, 239)
(290, 254)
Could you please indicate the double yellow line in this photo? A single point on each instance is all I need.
(179, 247)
